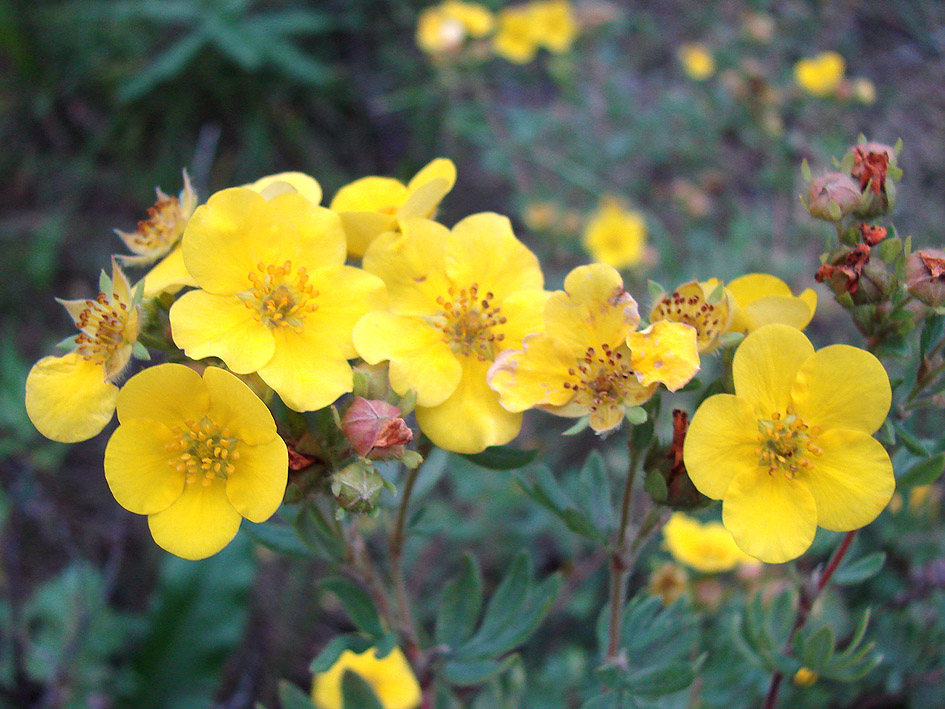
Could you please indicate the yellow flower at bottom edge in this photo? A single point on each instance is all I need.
(820, 75)
(762, 299)
(705, 547)
(391, 678)
(614, 235)
(196, 454)
(697, 61)
(792, 448)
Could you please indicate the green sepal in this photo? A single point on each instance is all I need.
(105, 284)
(579, 426)
(291, 697)
(355, 692)
(139, 351)
(68, 343)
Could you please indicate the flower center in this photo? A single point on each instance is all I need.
(104, 324)
(203, 452)
(280, 297)
(467, 322)
(162, 229)
(603, 379)
(692, 310)
(786, 444)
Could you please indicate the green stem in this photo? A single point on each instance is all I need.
(397, 538)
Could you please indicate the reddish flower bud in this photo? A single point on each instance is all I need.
(925, 276)
(375, 428)
(831, 189)
(871, 234)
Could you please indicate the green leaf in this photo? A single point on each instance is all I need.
(805, 170)
(165, 66)
(460, 605)
(357, 694)
(502, 458)
(594, 494)
(470, 673)
(509, 596)
(818, 649)
(312, 528)
(889, 249)
(581, 424)
(334, 649)
(234, 42)
(299, 66)
(546, 492)
(291, 697)
(278, 537)
(861, 569)
(655, 486)
(910, 442)
(358, 604)
(655, 289)
(104, 283)
(655, 682)
(923, 473)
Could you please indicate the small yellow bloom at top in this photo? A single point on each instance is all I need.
(523, 29)
(805, 677)
(72, 398)
(792, 449)
(444, 27)
(589, 360)
(761, 299)
(697, 61)
(196, 455)
(705, 547)
(391, 678)
(614, 235)
(373, 205)
(689, 304)
(555, 25)
(820, 75)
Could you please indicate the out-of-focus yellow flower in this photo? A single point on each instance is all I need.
(761, 299)
(805, 677)
(614, 235)
(705, 547)
(196, 454)
(697, 61)
(444, 27)
(864, 90)
(391, 678)
(275, 296)
(541, 216)
(689, 304)
(588, 360)
(792, 448)
(516, 35)
(372, 205)
(457, 300)
(668, 582)
(555, 25)
(820, 75)
(72, 398)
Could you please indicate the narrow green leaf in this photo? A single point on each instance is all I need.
(280, 538)
(595, 494)
(291, 697)
(509, 596)
(655, 682)
(861, 569)
(235, 42)
(910, 442)
(924, 473)
(460, 605)
(165, 66)
(299, 66)
(357, 604)
(355, 692)
(818, 649)
(502, 458)
(859, 632)
(333, 650)
(471, 672)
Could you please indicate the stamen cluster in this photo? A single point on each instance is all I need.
(603, 379)
(785, 443)
(205, 452)
(103, 323)
(278, 298)
(467, 322)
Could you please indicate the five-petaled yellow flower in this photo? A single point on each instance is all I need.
(705, 547)
(372, 205)
(72, 398)
(457, 300)
(761, 299)
(275, 296)
(614, 235)
(444, 27)
(391, 678)
(792, 448)
(820, 75)
(589, 360)
(196, 454)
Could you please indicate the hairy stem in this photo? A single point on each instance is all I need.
(397, 538)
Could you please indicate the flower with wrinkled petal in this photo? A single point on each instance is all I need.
(820, 75)
(458, 299)
(275, 296)
(705, 547)
(72, 398)
(372, 205)
(589, 360)
(196, 455)
(615, 236)
(762, 299)
(792, 448)
(695, 304)
(390, 678)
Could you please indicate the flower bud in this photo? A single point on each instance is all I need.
(375, 428)
(832, 196)
(872, 164)
(925, 276)
(357, 487)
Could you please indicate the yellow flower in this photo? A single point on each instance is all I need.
(689, 304)
(820, 75)
(554, 24)
(864, 91)
(697, 61)
(615, 236)
(668, 582)
(372, 205)
(72, 398)
(196, 455)
(705, 547)
(458, 299)
(588, 360)
(516, 35)
(805, 677)
(444, 27)
(275, 296)
(761, 299)
(792, 448)
(391, 678)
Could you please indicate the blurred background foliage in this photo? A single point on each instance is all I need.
(101, 101)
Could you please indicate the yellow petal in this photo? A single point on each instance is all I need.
(138, 467)
(233, 405)
(770, 517)
(471, 420)
(852, 482)
(167, 393)
(68, 399)
(842, 387)
(305, 185)
(666, 352)
(533, 376)
(345, 294)
(306, 371)
(752, 286)
(423, 201)
(722, 442)
(257, 486)
(523, 312)
(419, 359)
(199, 524)
(168, 275)
(412, 266)
(786, 310)
(439, 169)
(766, 364)
(809, 296)
(391, 679)
(207, 325)
(370, 194)
(483, 249)
(607, 417)
(362, 228)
